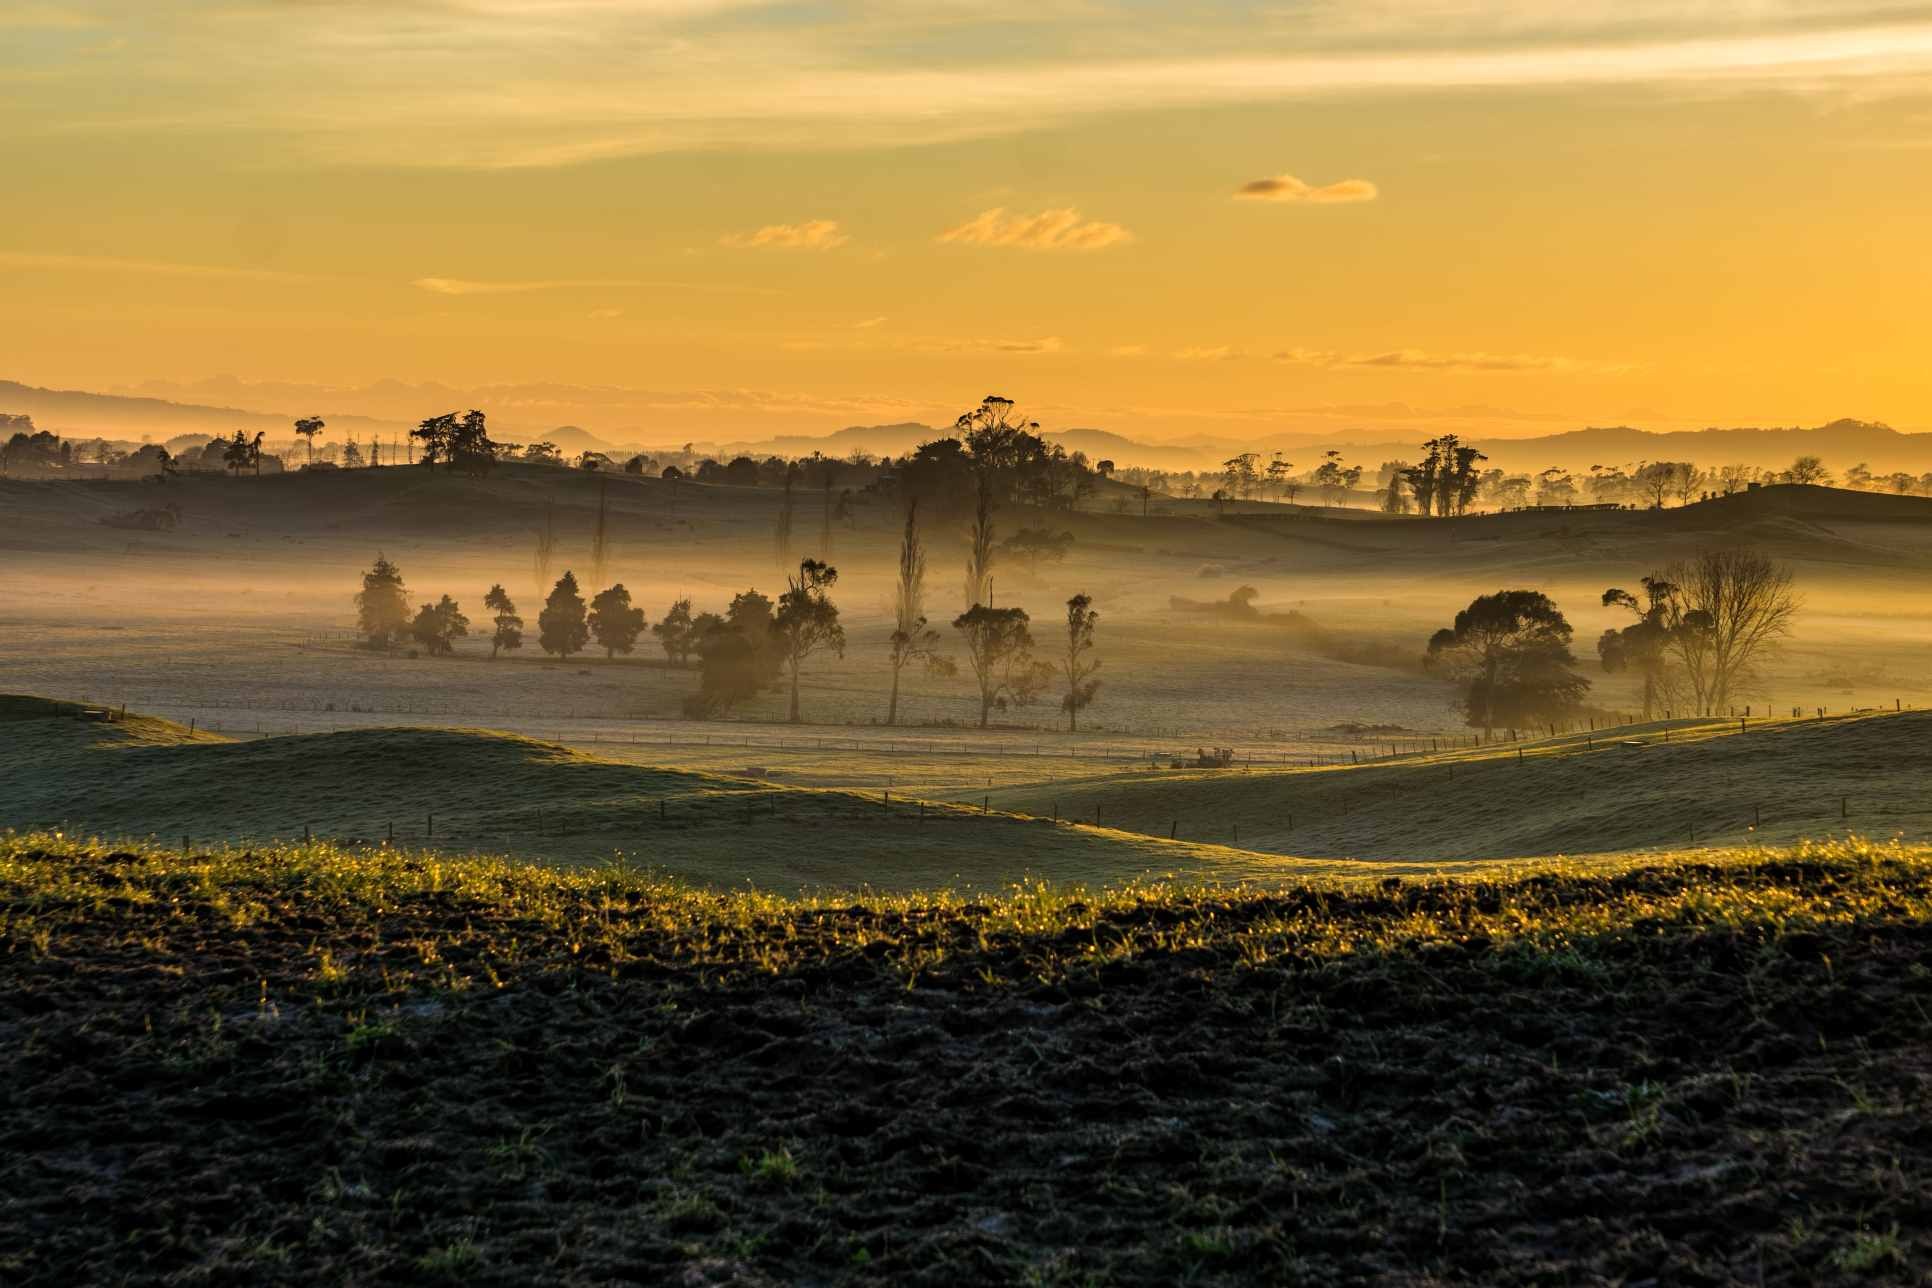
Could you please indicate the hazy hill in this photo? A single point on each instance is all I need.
(1841, 443)
(74, 413)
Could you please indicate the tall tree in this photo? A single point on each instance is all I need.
(382, 605)
(600, 534)
(1078, 666)
(999, 648)
(1511, 653)
(236, 455)
(807, 621)
(613, 622)
(562, 627)
(308, 427)
(1747, 604)
(546, 550)
(435, 434)
(979, 544)
(675, 633)
(786, 510)
(509, 627)
(912, 639)
(438, 626)
(469, 446)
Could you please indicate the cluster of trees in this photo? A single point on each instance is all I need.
(1699, 629)
(565, 626)
(757, 642)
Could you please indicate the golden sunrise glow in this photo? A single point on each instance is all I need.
(678, 219)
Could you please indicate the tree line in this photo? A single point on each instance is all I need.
(1699, 629)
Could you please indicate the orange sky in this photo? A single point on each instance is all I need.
(702, 218)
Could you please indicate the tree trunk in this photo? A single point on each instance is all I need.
(892, 705)
(793, 717)
(985, 708)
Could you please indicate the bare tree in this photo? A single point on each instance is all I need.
(979, 545)
(1078, 667)
(912, 639)
(1747, 601)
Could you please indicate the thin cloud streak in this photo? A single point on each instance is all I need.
(588, 99)
(148, 267)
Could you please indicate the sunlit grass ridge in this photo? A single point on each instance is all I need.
(598, 920)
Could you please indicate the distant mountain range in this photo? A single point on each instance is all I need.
(1842, 443)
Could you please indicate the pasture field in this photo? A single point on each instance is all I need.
(293, 1064)
(793, 822)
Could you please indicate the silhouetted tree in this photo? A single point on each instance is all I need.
(999, 648)
(308, 427)
(238, 453)
(600, 534)
(1645, 647)
(1807, 469)
(1034, 546)
(615, 624)
(437, 628)
(469, 447)
(807, 621)
(562, 627)
(382, 605)
(912, 639)
(1077, 667)
(1511, 652)
(783, 536)
(734, 655)
(509, 627)
(546, 550)
(675, 634)
(1746, 599)
(435, 434)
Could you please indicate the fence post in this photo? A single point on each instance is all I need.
(430, 827)
(1844, 807)
(184, 845)
(305, 833)
(392, 831)
(1173, 829)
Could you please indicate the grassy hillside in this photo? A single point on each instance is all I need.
(1661, 785)
(466, 790)
(1639, 788)
(300, 1065)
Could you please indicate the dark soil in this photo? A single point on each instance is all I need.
(258, 1088)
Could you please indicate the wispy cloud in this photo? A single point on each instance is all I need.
(1208, 353)
(554, 82)
(146, 267)
(482, 286)
(1062, 229)
(813, 234)
(1286, 188)
(868, 324)
(1423, 360)
(1010, 344)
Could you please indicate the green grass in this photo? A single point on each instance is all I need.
(1466, 812)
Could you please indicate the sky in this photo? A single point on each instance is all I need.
(708, 218)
